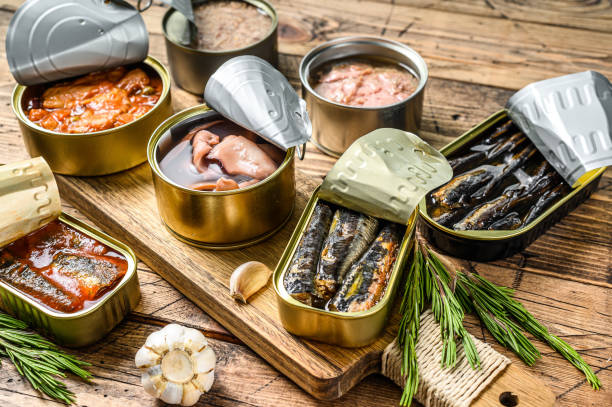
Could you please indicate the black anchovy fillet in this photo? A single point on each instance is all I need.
(299, 279)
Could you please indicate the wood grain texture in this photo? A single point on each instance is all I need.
(564, 278)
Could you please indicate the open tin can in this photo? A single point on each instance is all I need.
(336, 126)
(191, 67)
(248, 92)
(488, 245)
(90, 324)
(96, 153)
(410, 168)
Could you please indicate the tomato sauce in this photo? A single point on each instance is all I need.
(95, 102)
(61, 267)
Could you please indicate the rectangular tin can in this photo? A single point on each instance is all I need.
(410, 168)
(489, 245)
(353, 329)
(86, 326)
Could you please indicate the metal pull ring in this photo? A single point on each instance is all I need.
(147, 4)
(301, 150)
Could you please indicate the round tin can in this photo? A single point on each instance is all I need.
(224, 219)
(97, 153)
(191, 68)
(336, 126)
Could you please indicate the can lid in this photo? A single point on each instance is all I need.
(49, 40)
(182, 6)
(569, 119)
(385, 174)
(253, 94)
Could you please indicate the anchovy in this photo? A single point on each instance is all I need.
(489, 150)
(349, 236)
(366, 280)
(509, 222)
(299, 279)
(544, 202)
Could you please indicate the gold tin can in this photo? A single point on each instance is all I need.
(224, 219)
(89, 325)
(97, 153)
(410, 168)
(336, 126)
(489, 245)
(191, 67)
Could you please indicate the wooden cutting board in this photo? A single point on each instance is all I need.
(124, 206)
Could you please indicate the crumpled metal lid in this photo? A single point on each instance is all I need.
(569, 119)
(49, 40)
(385, 174)
(253, 94)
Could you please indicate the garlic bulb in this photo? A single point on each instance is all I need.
(177, 365)
(247, 279)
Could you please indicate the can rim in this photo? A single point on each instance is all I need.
(186, 114)
(100, 236)
(150, 61)
(305, 67)
(497, 235)
(267, 7)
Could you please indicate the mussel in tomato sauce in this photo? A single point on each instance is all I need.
(61, 267)
(97, 101)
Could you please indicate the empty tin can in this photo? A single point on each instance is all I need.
(96, 153)
(488, 245)
(224, 219)
(88, 325)
(336, 126)
(411, 168)
(191, 67)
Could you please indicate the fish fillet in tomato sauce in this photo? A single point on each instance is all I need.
(96, 102)
(61, 267)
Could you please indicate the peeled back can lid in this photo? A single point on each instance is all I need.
(253, 94)
(49, 40)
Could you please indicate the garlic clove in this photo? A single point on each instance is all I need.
(153, 382)
(204, 362)
(247, 279)
(145, 358)
(175, 336)
(191, 394)
(194, 340)
(173, 393)
(204, 381)
(157, 342)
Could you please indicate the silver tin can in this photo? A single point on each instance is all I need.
(49, 40)
(191, 68)
(336, 126)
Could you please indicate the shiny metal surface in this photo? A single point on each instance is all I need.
(348, 329)
(49, 40)
(191, 68)
(89, 325)
(279, 115)
(97, 153)
(336, 126)
(569, 119)
(221, 220)
(488, 245)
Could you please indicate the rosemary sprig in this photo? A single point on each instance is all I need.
(38, 360)
(411, 309)
(504, 298)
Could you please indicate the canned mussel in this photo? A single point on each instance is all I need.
(63, 277)
(88, 113)
(354, 85)
(338, 275)
(220, 30)
(504, 193)
(224, 176)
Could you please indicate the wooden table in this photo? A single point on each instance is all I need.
(479, 53)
